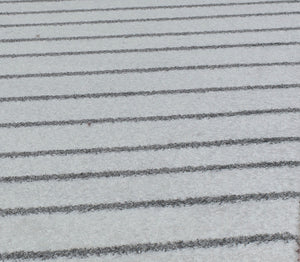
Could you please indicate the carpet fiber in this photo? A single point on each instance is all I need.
(146, 130)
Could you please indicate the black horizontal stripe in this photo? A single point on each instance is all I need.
(149, 247)
(155, 147)
(146, 93)
(149, 50)
(147, 172)
(146, 7)
(149, 118)
(207, 200)
(74, 38)
(146, 70)
(158, 19)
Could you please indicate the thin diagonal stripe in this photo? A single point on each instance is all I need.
(74, 38)
(145, 93)
(149, 247)
(146, 7)
(146, 70)
(150, 50)
(147, 172)
(159, 19)
(155, 147)
(149, 118)
(170, 203)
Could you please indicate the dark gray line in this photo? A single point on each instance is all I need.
(159, 19)
(145, 7)
(146, 70)
(149, 50)
(149, 247)
(155, 147)
(73, 38)
(149, 118)
(207, 200)
(145, 93)
(147, 172)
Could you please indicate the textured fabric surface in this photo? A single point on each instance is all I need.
(146, 130)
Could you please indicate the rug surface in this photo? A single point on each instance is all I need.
(146, 130)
